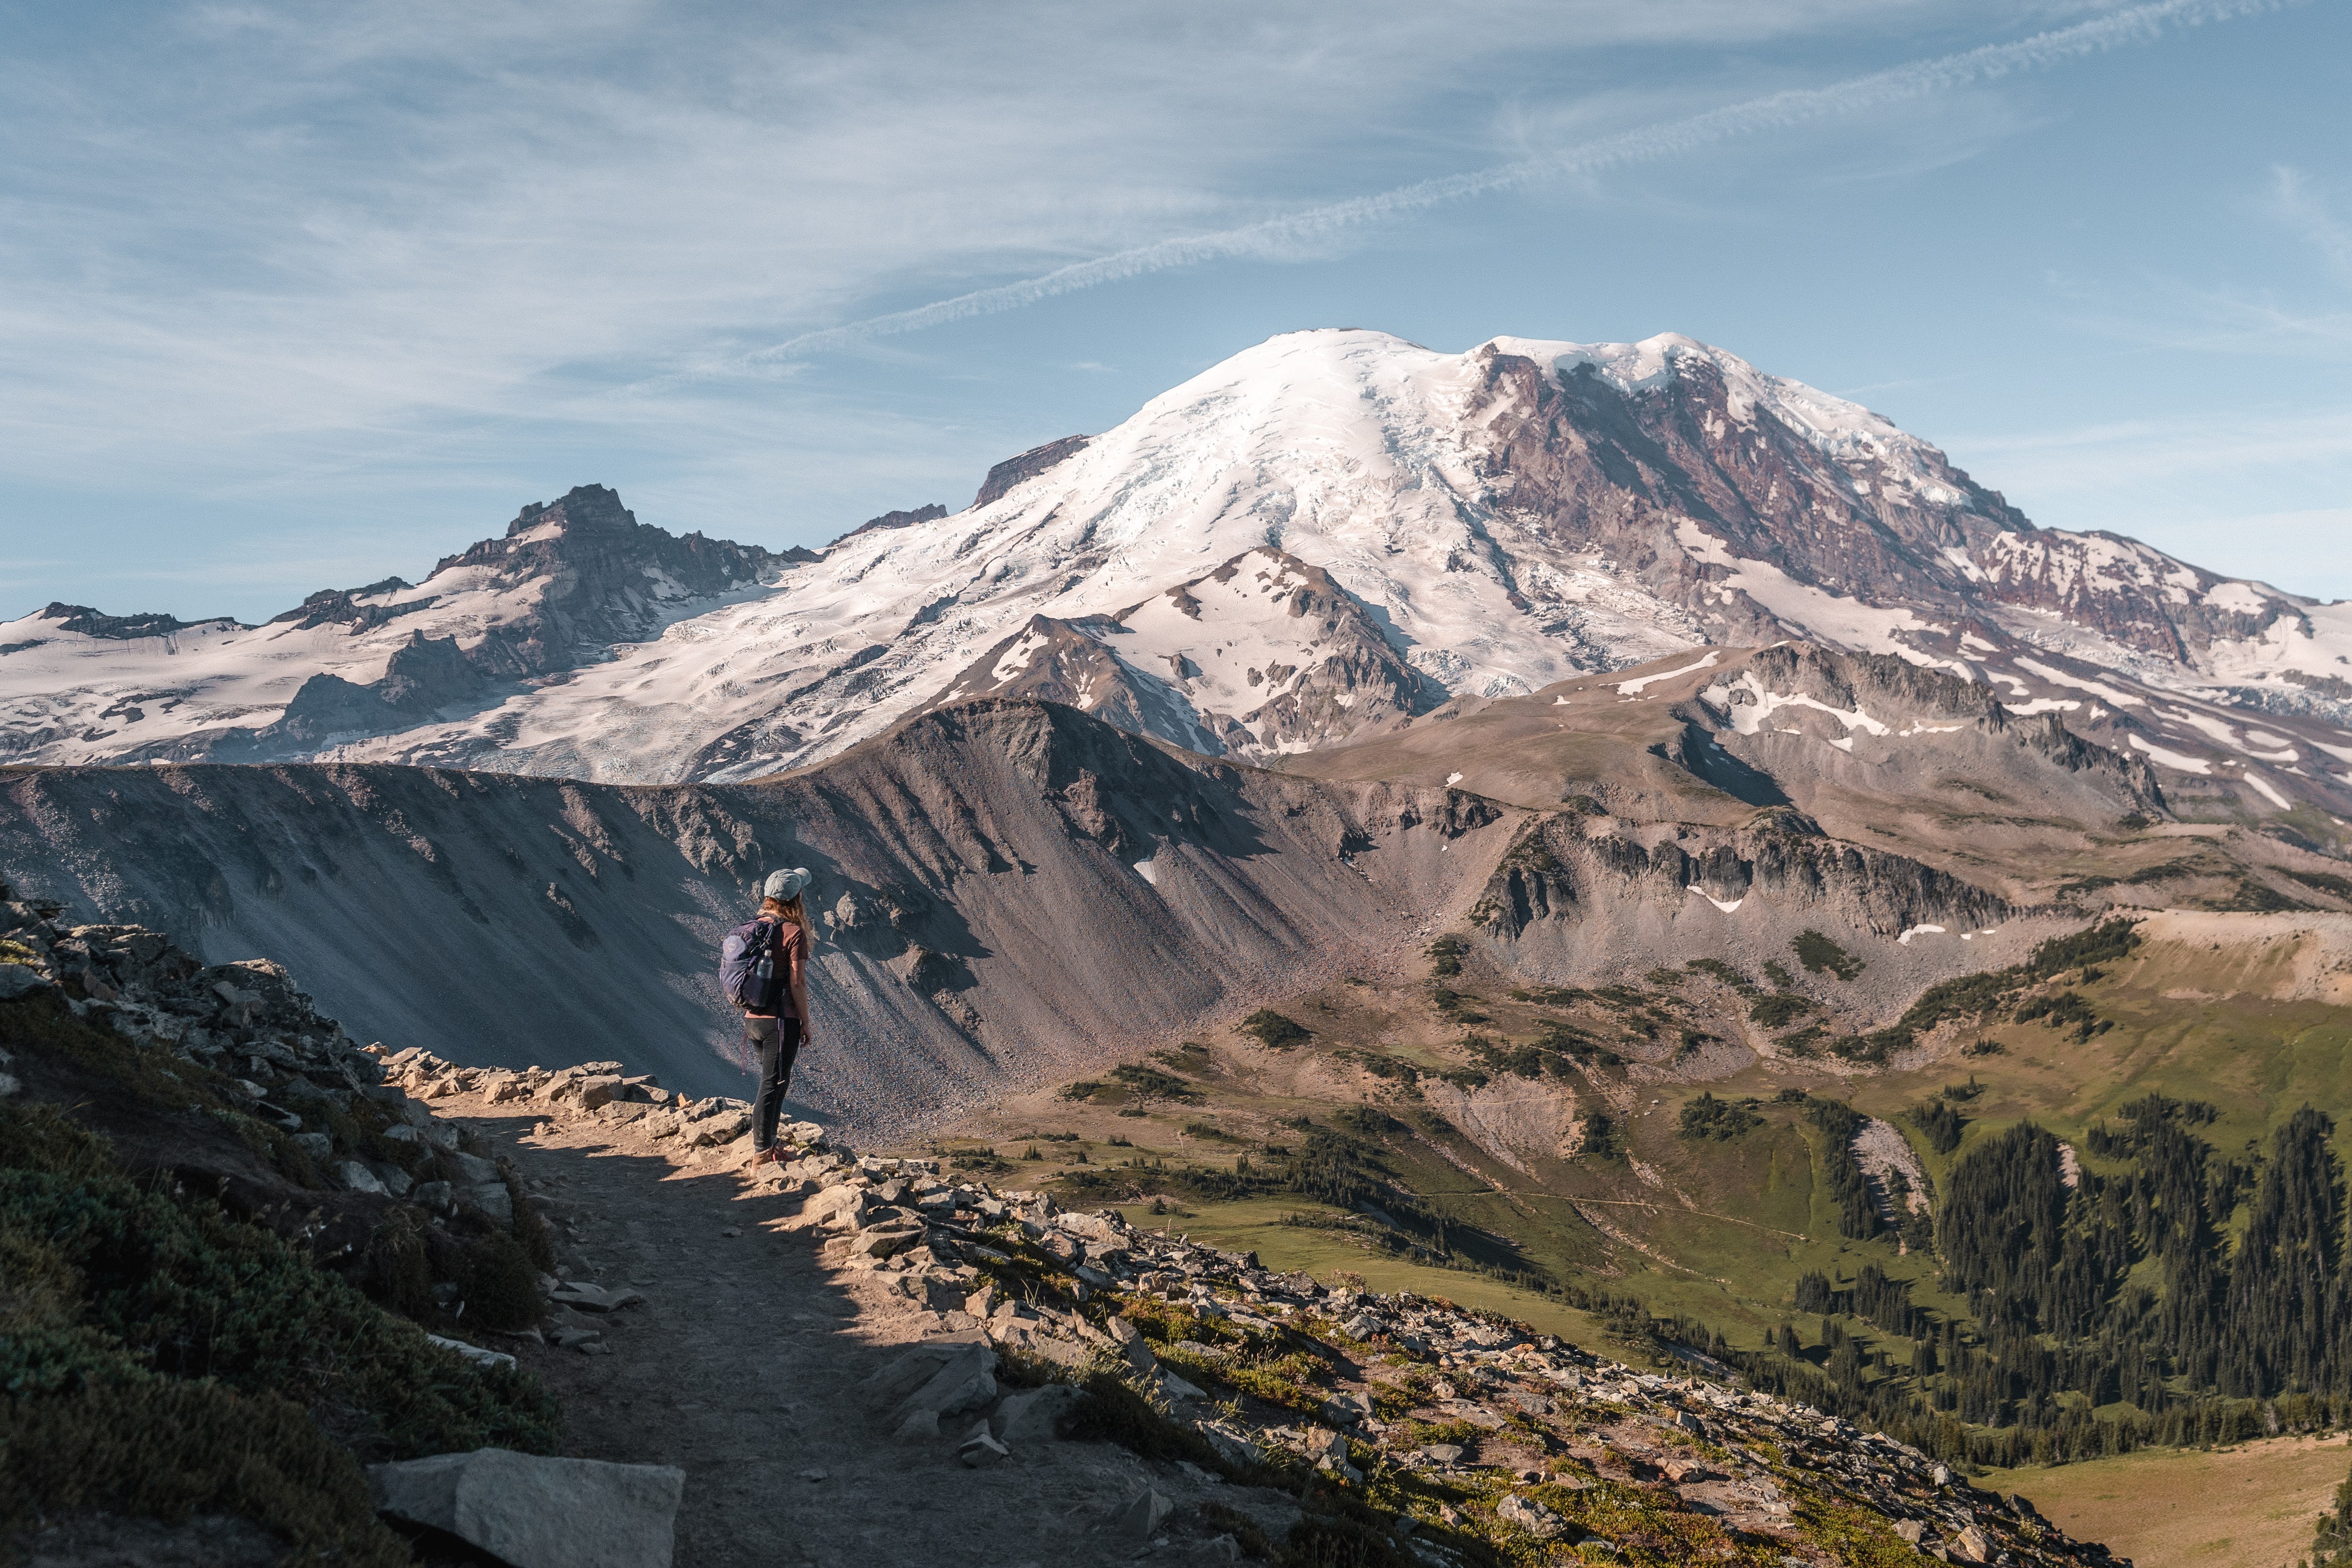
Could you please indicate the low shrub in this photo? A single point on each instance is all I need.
(1721, 1120)
(159, 1357)
(1777, 1009)
(1817, 953)
(1114, 1411)
(164, 1448)
(1273, 1030)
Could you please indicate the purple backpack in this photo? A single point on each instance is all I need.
(747, 966)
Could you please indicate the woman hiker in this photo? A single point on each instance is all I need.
(764, 969)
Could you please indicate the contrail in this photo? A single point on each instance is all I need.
(1779, 110)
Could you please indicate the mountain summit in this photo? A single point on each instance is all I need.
(1323, 537)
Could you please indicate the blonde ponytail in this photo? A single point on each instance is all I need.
(794, 910)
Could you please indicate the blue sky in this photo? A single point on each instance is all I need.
(292, 297)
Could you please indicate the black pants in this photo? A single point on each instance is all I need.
(778, 1041)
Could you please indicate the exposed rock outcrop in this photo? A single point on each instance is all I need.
(1028, 466)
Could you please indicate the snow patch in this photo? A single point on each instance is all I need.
(2242, 598)
(1719, 903)
(1848, 622)
(2061, 678)
(1909, 931)
(2176, 760)
(1628, 689)
(1747, 718)
(2264, 784)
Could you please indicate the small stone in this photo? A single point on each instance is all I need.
(474, 1353)
(1145, 1512)
(965, 1381)
(1176, 1387)
(1530, 1516)
(356, 1178)
(1033, 1415)
(21, 980)
(907, 1372)
(1910, 1530)
(731, 1230)
(1326, 1448)
(537, 1512)
(979, 1450)
(813, 1475)
(593, 1298)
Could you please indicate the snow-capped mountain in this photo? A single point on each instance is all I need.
(1319, 537)
(567, 583)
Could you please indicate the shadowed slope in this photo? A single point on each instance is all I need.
(1010, 889)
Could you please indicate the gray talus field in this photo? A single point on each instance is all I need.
(1012, 892)
(1009, 890)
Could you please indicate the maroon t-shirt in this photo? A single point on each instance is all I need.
(791, 951)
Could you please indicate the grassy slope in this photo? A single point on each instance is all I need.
(1256, 1225)
(2251, 1505)
(1728, 1226)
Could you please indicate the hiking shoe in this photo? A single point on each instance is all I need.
(770, 1155)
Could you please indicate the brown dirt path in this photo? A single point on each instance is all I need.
(744, 1368)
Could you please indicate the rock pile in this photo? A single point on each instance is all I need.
(244, 1018)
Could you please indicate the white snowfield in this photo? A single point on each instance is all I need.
(1359, 453)
(69, 698)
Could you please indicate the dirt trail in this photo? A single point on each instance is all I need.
(744, 1368)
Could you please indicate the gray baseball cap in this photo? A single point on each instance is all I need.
(786, 884)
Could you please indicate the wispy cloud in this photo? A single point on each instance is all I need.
(1773, 111)
(366, 272)
(242, 227)
(2141, 452)
(2306, 215)
(2294, 311)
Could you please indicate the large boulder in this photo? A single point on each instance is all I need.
(536, 1512)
